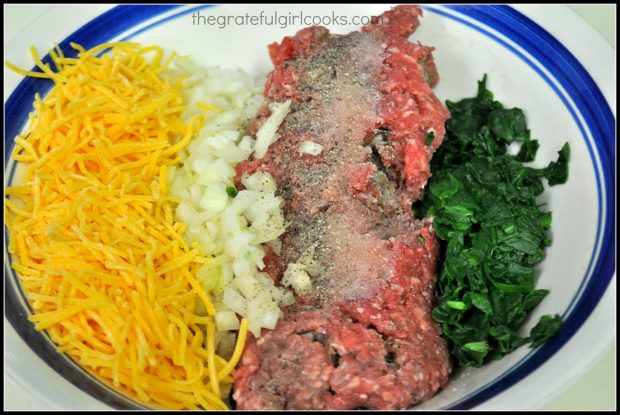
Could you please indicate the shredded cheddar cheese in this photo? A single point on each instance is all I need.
(92, 231)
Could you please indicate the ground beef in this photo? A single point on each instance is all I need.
(364, 338)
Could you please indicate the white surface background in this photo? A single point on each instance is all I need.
(596, 390)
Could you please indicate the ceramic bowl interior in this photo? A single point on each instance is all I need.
(527, 67)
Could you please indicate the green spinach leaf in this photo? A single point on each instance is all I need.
(493, 231)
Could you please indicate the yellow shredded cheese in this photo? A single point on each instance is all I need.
(92, 230)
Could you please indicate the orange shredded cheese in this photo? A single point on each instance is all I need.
(92, 232)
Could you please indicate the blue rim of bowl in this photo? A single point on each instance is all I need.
(504, 20)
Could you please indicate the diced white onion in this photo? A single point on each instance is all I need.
(238, 242)
(296, 276)
(270, 318)
(214, 199)
(230, 230)
(226, 343)
(254, 326)
(282, 296)
(264, 279)
(226, 320)
(310, 147)
(307, 258)
(242, 266)
(266, 134)
(246, 146)
(235, 301)
(259, 181)
(247, 285)
(227, 274)
(244, 200)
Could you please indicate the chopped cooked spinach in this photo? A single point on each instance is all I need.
(430, 136)
(557, 171)
(493, 232)
(546, 327)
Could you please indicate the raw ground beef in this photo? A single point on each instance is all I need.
(364, 338)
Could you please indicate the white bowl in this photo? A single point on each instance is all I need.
(543, 59)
